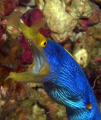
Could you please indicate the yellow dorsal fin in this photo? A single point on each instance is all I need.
(38, 24)
(14, 19)
(29, 32)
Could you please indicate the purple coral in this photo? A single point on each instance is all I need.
(26, 57)
(9, 6)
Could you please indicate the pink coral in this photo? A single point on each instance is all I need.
(97, 60)
(95, 17)
(45, 31)
(83, 24)
(26, 57)
(9, 6)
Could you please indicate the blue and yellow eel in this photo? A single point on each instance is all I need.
(63, 79)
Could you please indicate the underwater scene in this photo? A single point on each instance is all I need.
(50, 59)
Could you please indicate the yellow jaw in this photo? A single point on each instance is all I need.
(36, 42)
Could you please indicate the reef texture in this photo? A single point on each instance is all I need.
(97, 1)
(62, 16)
(74, 24)
(27, 2)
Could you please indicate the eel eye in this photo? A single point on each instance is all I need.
(43, 43)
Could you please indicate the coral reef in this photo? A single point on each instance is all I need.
(62, 18)
(26, 57)
(75, 24)
(9, 6)
(54, 111)
(81, 52)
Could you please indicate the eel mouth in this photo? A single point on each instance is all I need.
(40, 67)
(40, 63)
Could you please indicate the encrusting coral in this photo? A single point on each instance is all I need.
(62, 18)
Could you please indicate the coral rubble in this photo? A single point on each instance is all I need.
(62, 18)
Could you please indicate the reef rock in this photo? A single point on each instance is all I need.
(62, 16)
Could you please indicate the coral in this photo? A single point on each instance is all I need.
(15, 98)
(62, 18)
(81, 56)
(38, 113)
(95, 17)
(83, 23)
(9, 6)
(55, 21)
(10, 50)
(83, 47)
(55, 111)
(26, 57)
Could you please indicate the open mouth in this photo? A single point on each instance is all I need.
(40, 67)
(40, 64)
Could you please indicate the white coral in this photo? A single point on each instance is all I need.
(81, 56)
(61, 22)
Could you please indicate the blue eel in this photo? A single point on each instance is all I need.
(63, 80)
(67, 84)
(62, 77)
